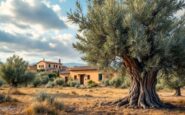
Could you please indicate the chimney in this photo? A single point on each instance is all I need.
(59, 61)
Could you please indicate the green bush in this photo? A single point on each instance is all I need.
(52, 76)
(2, 83)
(106, 82)
(116, 81)
(46, 105)
(40, 79)
(41, 96)
(126, 82)
(28, 78)
(122, 82)
(59, 81)
(73, 83)
(50, 84)
(91, 84)
(44, 80)
(36, 82)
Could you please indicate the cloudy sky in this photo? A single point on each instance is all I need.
(37, 29)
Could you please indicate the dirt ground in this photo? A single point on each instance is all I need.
(84, 101)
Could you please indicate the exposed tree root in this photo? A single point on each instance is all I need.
(124, 102)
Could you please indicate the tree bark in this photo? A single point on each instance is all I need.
(177, 92)
(142, 91)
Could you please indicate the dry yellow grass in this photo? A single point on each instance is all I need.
(83, 100)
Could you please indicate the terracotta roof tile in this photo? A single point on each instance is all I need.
(81, 68)
(49, 62)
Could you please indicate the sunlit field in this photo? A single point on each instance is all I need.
(87, 101)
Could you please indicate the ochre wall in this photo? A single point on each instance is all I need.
(94, 75)
(46, 66)
(40, 64)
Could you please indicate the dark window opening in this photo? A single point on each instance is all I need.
(49, 65)
(75, 77)
(88, 77)
(100, 77)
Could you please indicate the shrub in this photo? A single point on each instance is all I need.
(106, 82)
(91, 84)
(4, 98)
(44, 79)
(28, 78)
(45, 105)
(73, 83)
(116, 81)
(59, 81)
(1, 83)
(122, 82)
(52, 76)
(50, 84)
(41, 97)
(126, 82)
(36, 82)
(58, 105)
(40, 79)
(42, 109)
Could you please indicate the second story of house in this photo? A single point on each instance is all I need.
(49, 65)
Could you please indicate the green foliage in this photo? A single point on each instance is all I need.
(52, 76)
(122, 82)
(36, 82)
(126, 82)
(42, 78)
(91, 84)
(46, 104)
(59, 81)
(173, 81)
(41, 96)
(116, 81)
(14, 70)
(5, 98)
(50, 84)
(73, 83)
(145, 31)
(106, 82)
(28, 78)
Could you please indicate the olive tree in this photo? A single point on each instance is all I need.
(13, 71)
(138, 33)
(174, 77)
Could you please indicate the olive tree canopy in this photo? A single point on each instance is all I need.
(141, 35)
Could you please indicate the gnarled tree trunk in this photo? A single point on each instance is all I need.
(142, 92)
(177, 92)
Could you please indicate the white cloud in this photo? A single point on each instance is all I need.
(52, 45)
(56, 8)
(33, 29)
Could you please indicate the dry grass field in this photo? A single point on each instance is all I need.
(83, 101)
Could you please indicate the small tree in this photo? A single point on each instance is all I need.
(174, 81)
(28, 78)
(13, 71)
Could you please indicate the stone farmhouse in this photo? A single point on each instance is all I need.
(81, 73)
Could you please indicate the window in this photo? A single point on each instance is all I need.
(49, 65)
(88, 77)
(75, 77)
(100, 77)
